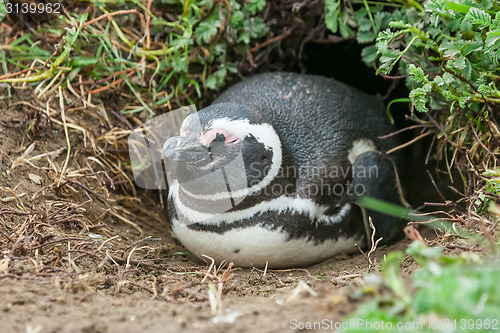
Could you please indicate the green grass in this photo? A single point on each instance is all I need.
(157, 62)
(446, 294)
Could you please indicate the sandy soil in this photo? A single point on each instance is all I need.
(85, 253)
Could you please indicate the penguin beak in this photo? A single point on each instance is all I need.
(184, 149)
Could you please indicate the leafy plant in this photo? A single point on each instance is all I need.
(449, 54)
(447, 294)
(450, 51)
(164, 61)
(492, 179)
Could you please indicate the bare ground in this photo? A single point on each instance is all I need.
(87, 252)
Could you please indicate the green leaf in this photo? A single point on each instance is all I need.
(492, 173)
(365, 37)
(492, 37)
(3, 10)
(419, 97)
(449, 49)
(479, 17)
(438, 80)
(466, 27)
(400, 25)
(180, 62)
(244, 37)
(471, 46)
(487, 90)
(84, 61)
(217, 79)
(369, 55)
(344, 29)
(364, 25)
(255, 5)
(206, 31)
(462, 66)
(236, 19)
(386, 207)
(257, 28)
(456, 7)
(391, 271)
(332, 13)
(462, 101)
(232, 67)
(417, 74)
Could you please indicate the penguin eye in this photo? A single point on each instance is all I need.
(219, 137)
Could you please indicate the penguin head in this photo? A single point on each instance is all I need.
(229, 138)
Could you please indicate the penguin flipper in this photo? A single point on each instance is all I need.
(375, 175)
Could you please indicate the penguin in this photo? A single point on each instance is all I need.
(270, 174)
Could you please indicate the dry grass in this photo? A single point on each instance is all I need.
(78, 213)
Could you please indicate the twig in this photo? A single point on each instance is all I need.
(109, 15)
(209, 268)
(68, 153)
(363, 253)
(104, 243)
(285, 34)
(373, 242)
(390, 151)
(382, 137)
(435, 186)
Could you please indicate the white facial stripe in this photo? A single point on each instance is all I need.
(265, 134)
(279, 205)
(242, 128)
(257, 246)
(359, 147)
